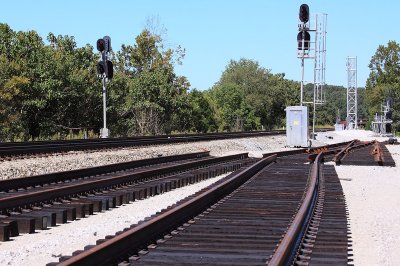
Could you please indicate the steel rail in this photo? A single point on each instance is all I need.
(313, 152)
(345, 151)
(91, 185)
(288, 245)
(338, 157)
(36, 180)
(221, 134)
(368, 153)
(137, 237)
(35, 147)
(332, 151)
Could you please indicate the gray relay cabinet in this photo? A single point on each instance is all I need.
(297, 126)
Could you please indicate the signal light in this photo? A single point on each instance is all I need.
(104, 66)
(107, 69)
(307, 39)
(110, 70)
(100, 68)
(107, 43)
(100, 45)
(304, 13)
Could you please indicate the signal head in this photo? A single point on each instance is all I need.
(307, 39)
(304, 13)
(100, 45)
(100, 68)
(110, 70)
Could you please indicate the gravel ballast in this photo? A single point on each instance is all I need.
(76, 160)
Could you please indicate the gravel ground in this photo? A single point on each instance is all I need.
(371, 194)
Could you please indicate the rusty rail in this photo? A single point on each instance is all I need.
(137, 237)
(313, 152)
(344, 152)
(288, 245)
(338, 157)
(53, 193)
(36, 180)
(338, 154)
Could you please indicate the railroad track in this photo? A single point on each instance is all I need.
(38, 202)
(276, 210)
(368, 153)
(10, 150)
(241, 220)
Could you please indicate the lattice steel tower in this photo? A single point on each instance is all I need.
(320, 58)
(351, 93)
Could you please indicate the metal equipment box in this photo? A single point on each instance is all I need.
(297, 126)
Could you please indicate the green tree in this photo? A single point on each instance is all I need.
(73, 93)
(265, 94)
(45, 89)
(156, 95)
(49, 89)
(20, 53)
(232, 111)
(202, 113)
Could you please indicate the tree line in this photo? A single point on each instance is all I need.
(49, 88)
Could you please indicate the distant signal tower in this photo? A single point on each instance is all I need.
(314, 49)
(351, 93)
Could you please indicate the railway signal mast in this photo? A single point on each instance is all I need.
(314, 50)
(297, 116)
(105, 71)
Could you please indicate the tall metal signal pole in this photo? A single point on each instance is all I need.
(105, 71)
(315, 50)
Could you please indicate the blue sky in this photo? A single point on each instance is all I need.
(216, 31)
